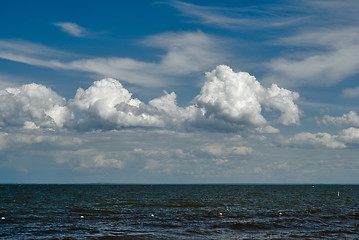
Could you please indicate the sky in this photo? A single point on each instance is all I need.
(179, 91)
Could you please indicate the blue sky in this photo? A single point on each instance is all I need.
(179, 92)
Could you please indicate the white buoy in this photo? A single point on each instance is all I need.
(280, 213)
(3, 218)
(82, 217)
(152, 215)
(338, 194)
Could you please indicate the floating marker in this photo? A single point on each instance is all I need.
(220, 214)
(82, 217)
(152, 215)
(3, 218)
(338, 194)
(280, 214)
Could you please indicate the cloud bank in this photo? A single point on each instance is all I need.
(227, 101)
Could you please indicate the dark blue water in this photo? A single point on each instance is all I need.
(179, 212)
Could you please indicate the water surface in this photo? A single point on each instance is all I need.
(179, 211)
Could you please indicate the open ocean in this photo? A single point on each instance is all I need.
(179, 211)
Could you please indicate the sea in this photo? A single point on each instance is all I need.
(105, 211)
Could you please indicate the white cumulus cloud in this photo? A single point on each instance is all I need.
(33, 105)
(219, 150)
(314, 140)
(348, 119)
(239, 97)
(350, 135)
(173, 115)
(242, 150)
(108, 103)
(227, 101)
(107, 100)
(101, 161)
(343, 139)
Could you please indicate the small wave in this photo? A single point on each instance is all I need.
(127, 237)
(340, 231)
(314, 210)
(255, 226)
(64, 238)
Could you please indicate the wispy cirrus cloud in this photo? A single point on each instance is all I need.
(350, 92)
(207, 15)
(332, 56)
(308, 14)
(329, 55)
(186, 53)
(319, 55)
(232, 18)
(23, 48)
(72, 29)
